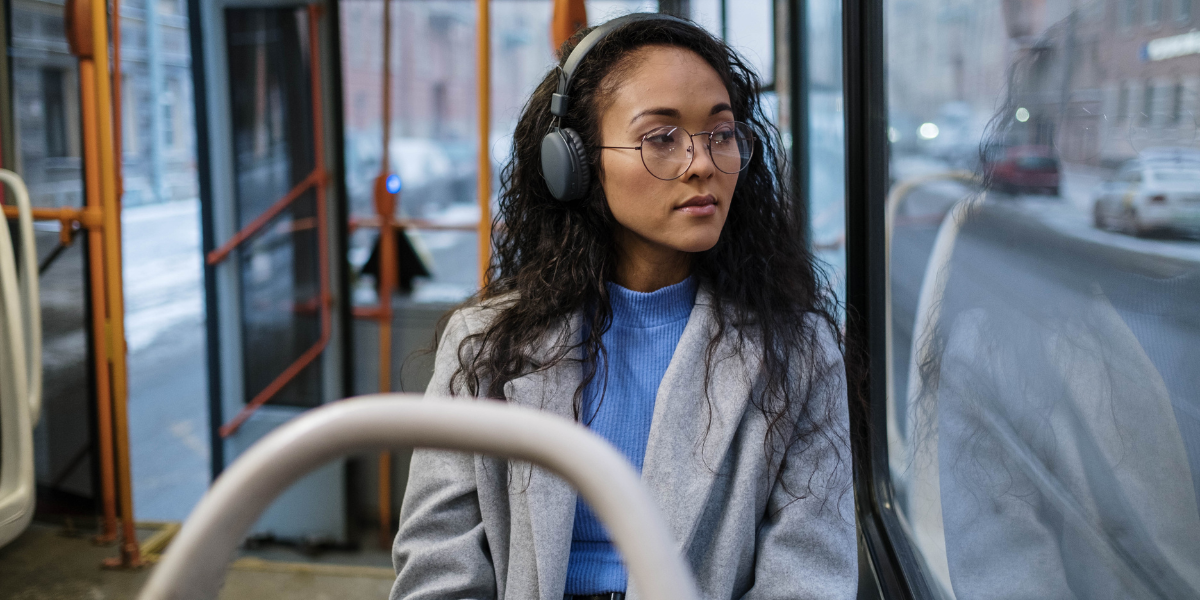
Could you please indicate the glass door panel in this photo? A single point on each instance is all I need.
(271, 212)
(271, 112)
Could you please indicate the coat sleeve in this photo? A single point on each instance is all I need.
(806, 545)
(441, 550)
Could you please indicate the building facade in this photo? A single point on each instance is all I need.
(158, 133)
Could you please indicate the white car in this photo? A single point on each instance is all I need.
(1150, 195)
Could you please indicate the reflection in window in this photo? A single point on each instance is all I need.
(1183, 10)
(1043, 404)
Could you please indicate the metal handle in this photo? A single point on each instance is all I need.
(193, 566)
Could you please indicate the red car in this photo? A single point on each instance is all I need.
(1025, 169)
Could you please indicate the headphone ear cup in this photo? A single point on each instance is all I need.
(565, 164)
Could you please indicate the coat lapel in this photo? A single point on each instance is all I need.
(551, 500)
(689, 433)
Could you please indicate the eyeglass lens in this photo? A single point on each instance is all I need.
(667, 151)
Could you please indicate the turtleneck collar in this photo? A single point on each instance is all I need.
(660, 307)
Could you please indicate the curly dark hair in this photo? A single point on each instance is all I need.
(766, 284)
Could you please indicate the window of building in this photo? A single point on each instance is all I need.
(1126, 13)
(1154, 11)
(55, 111)
(169, 105)
(169, 7)
(1122, 101)
(1147, 102)
(1183, 10)
(1177, 102)
(130, 143)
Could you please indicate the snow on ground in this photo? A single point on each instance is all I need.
(164, 329)
(163, 270)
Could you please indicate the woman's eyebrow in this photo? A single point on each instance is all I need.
(661, 112)
(675, 114)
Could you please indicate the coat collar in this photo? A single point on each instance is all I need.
(689, 435)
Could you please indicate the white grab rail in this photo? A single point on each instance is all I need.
(20, 388)
(31, 307)
(193, 567)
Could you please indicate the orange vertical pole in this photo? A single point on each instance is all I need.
(104, 422)
(385, 207)
(113, 280)
(79, 37)
(484, 86)
(118, 107)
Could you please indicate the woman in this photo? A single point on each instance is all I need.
(674, 309)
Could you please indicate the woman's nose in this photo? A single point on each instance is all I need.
(702, 163)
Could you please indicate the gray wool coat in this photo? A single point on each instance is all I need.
(481, 527)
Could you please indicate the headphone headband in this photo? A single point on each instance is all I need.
(565, 165)
(560, 100)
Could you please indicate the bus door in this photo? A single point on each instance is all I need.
(269, 206)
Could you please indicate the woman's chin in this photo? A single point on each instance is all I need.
(701, 241)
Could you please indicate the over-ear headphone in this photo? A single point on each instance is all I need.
(564, 157)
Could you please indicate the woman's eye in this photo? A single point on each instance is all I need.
(720, 137)
(661, 137)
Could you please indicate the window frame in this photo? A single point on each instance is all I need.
(898, 569)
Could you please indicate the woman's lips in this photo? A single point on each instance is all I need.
(699, 206)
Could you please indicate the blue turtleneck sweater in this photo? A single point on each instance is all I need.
(640, 343)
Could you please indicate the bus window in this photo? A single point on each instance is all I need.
(433, 134)
(1042, 412)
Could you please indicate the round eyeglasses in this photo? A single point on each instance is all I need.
(668, 152)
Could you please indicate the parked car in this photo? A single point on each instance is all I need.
(1025, 169)
(1150, 195)
(1170, 155)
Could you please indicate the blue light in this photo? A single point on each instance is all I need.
(393, 183)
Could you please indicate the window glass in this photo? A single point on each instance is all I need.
(433, 140)
(271, 113)
(1043, 417)
(826, 138)
(709, 14)
(748, 28)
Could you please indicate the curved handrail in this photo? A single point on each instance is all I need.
(895, 197)
(193, 566)
(926, 503)
(31, 307)
(16, 437)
